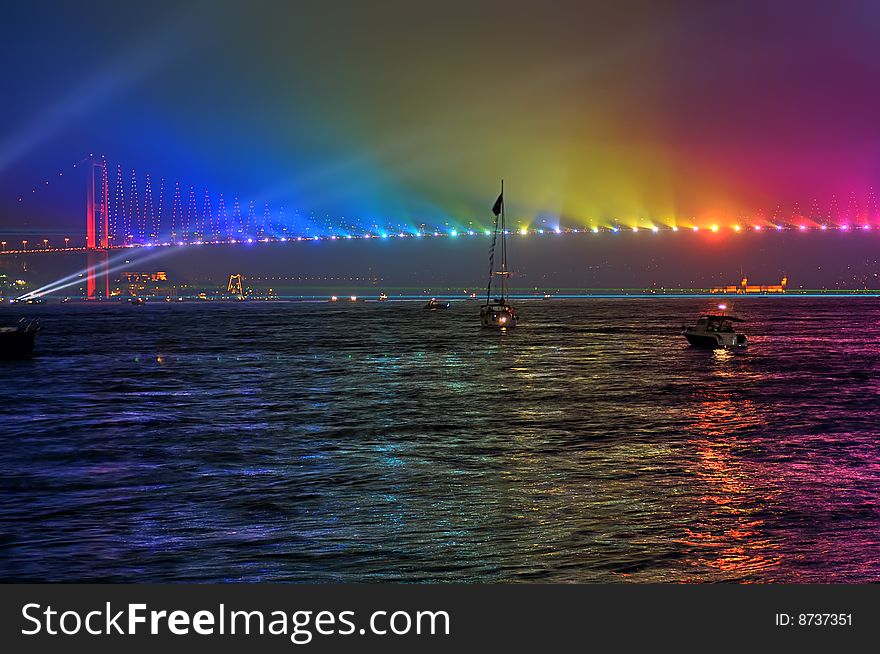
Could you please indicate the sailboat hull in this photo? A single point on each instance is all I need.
(498, 316)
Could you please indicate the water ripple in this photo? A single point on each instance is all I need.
(310, 442)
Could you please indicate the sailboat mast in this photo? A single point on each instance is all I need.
(504, 273)
(498, 210)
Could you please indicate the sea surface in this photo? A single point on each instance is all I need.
(316, 442)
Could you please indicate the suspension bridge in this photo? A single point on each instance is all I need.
(125, 210)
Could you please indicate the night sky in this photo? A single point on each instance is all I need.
(662, 113)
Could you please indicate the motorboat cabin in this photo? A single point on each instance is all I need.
(715, 331)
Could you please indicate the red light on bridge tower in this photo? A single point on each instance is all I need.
(97, 232)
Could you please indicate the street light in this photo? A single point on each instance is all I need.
(66, 241)
(24, 245)
(45, 243)
(3, 243)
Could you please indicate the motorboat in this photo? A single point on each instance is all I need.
(383, 297)
(714, 331)
(435, 305)
(17, 342)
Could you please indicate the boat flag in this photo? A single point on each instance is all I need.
(496, 209)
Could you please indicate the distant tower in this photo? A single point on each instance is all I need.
(784, 283)
(235, 286)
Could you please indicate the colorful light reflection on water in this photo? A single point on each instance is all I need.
(375, 441)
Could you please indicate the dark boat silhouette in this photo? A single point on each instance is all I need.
(435, 305)
(17, 342)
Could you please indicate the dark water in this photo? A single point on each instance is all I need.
(314, 442)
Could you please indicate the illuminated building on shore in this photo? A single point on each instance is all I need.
(142, 283)
(10, 286)
(745, 288)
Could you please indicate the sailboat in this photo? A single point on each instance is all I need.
(498, 312)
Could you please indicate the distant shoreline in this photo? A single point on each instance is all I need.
(372, 296)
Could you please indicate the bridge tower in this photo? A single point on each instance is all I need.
(97, 231)
(235, 286)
